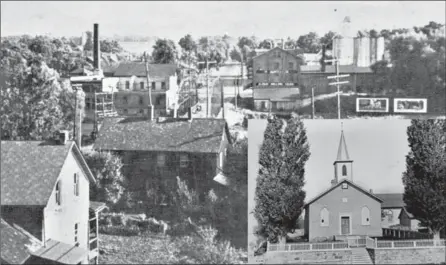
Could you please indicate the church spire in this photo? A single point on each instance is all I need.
(342, 149)
(343, 164)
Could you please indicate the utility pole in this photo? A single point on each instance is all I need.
(312, 102)
(146, 63)
(222, 99)
(337, 83)
(208, 107)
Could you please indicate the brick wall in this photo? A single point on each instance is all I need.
(409, 256)
(308, 257)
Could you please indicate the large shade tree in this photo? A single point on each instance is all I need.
(425, 176)
(279, 194)
(164, 52)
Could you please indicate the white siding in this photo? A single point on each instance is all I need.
(59, 221)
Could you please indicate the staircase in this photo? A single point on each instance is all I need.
(361, 256)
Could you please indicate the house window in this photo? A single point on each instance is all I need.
(344, 186)
(76, 228)
(124, 99)
(221, 160)
(365, 214)
(141, 111)
(325, 221)
(58, 187)
(276, 66)
(76, 184)
(344, 170)
(290, 66)
(184, 160)
(127, 84)
(141, 85)
(153, 85)
(163, 85)
(161, 160)
(141, 101)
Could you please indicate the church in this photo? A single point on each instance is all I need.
(345, 209)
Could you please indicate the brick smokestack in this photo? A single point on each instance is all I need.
(96, 48)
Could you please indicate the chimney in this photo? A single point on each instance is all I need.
(334, 182)
(150, 112)
(62, 137)
(96, 48)
(371, 191)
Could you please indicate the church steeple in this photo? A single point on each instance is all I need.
(343, 165)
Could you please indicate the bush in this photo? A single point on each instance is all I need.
(120, 230)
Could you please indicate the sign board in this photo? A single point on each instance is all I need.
(372, 105)
(410, 105)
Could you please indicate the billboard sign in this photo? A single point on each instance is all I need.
(372, 105)
(410, 105)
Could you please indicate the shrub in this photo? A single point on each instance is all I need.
(120, 230)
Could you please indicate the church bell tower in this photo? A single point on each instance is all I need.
(343, 165)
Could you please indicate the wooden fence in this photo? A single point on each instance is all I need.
(409, 243)
(403, 233)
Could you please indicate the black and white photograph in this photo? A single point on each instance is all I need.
(410, 105)
(359, 192)
(128, 128)
(372, 105)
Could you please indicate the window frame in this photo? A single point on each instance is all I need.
(127, 84)
(344, 186)
(184, 160)
(153, 85)
(58, 193)
(365, 216)
(221, 160)
(324, 220)
(76, 184)
(158, 160)
(344, 170)
(163, 85)
(76, 233)
(141, 85)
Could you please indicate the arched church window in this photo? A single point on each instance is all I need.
(344, 170)
(325, 221)
(365, 214)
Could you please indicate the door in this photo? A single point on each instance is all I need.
(345, 225)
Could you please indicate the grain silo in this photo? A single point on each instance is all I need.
(343, 44)
(380, 49)
(364, 52)
(373, 44)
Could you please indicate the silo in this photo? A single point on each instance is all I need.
(347, 51)
(373, 42)
(380, 49)
(364, 52)
(336, 47)
(355, 50)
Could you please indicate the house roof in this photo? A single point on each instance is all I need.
(232, 70)
(277, 94)
(176, 135)
(139, 69)
(16, 246)
(391, 200)
(97, 206)
(405, 211)
(278, 48)
(62, 253)
(29, 170)
(337, 185)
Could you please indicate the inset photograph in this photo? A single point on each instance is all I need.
(346, 191)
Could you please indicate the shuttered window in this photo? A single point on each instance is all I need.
(76, 184)
(325, 221)
(365, 215)
(58, 188)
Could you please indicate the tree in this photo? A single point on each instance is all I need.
(110, 183)
(382, 73)
(309, 42)
(279, 194)
(164, 52)
(188, 44)
(327, 40)
(425, 176)
(266, 44)
(110, 46)
(35, 104)
(89, 43)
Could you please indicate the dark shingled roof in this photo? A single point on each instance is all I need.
(139, 69)
(15, 245)
(330, 69)
(176, 135)
(391, 200)
(277, 94)
(29, 170)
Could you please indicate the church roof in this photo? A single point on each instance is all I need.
(363, 190)
(342, 149)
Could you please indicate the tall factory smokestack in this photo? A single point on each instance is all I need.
(96, 48)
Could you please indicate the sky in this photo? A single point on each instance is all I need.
(378, 149)
(174, 19)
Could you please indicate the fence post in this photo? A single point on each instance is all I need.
(376, 243)
(393, 245)
(311, 246)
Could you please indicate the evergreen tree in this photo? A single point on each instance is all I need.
(279, 193)
(425, 176)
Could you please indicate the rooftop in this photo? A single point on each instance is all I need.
(176, 135)
(139, 69)
(277, 94)
(29, 170)
(391, 200)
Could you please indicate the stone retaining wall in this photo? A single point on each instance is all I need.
(409, 256)
(309, 257)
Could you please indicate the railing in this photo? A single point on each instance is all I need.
(308, 246)
(403, 233)
(410, 243)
